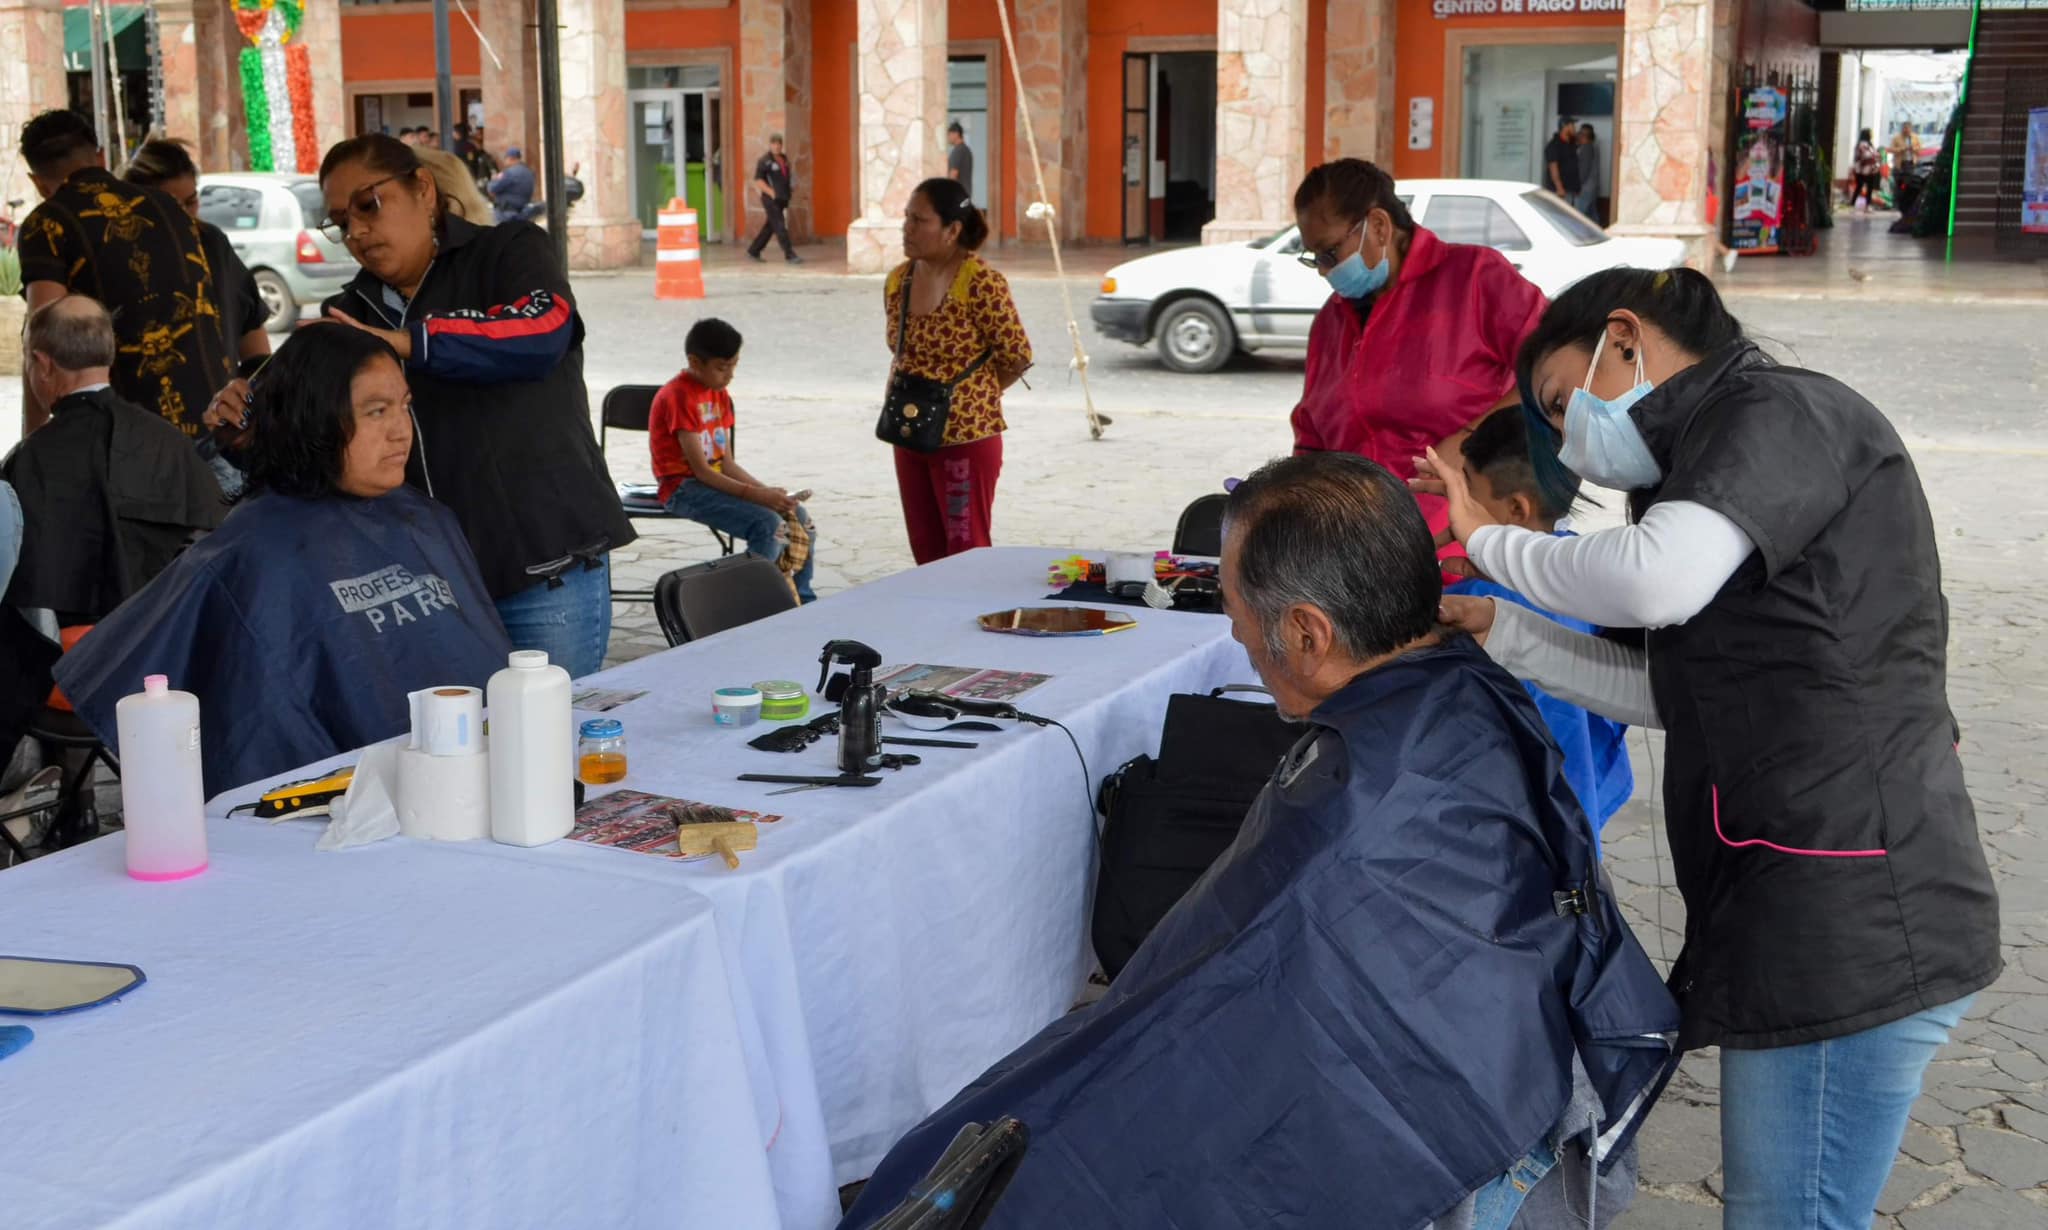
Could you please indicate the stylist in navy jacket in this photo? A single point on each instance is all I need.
(493, 349)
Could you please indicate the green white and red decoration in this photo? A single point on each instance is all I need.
(277, 86)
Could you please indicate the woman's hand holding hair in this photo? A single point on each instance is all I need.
(398, 339)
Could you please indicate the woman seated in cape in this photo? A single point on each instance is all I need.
(323, 599)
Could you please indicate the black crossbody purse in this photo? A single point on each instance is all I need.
(915, 410)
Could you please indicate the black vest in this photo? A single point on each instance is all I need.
(1820, 829)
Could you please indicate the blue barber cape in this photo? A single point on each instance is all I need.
(1595, 748)
(300, 625)
(1367, 1008)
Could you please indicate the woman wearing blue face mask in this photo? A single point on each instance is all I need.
(1780, 561)
(1417, 341)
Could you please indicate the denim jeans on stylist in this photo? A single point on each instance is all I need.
(1808, 1133)
(760, 528)
(571, 621)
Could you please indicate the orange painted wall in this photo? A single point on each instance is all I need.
(1111, 24)
(1419, 70)
(832, 120)
(400, 46)
(681, 29)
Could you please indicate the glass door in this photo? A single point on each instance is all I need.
(1137, 148)
(653, 115)
(703, 160)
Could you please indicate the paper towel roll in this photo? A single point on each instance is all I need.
(448, 721)
(443, 798)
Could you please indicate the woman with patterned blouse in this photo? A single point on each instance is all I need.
(959, 309)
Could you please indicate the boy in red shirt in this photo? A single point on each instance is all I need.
(690, 433)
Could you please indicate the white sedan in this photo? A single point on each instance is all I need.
(1202, 304)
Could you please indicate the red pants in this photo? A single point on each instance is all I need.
(949, 496)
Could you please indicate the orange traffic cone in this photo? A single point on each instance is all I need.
(678, 262)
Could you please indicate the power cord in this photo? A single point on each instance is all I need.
(1087, 778)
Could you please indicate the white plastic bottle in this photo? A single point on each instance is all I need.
(532, 750)
(163, 797)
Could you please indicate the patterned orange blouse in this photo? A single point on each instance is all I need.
(977, 314)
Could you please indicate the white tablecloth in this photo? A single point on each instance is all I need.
(899, 939)
(395, 1036)
(893, 942)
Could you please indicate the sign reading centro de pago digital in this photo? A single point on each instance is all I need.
(1526, 8)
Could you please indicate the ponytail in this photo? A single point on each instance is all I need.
(949, 199)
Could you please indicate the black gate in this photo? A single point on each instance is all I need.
(2026, 89)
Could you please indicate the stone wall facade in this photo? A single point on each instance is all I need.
(1052, 47)
(603, 231)
(1667, 121)
(902, 92)
(1358, 81)
(1261, 114)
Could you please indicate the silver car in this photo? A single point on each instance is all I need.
(273, 222)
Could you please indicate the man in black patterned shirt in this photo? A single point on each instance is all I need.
(136, 251)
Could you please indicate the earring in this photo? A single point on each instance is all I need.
(1628, 354)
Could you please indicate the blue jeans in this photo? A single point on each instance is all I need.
(1495, 1206)
(571, 621)
(1808, 1133)
(760, 528)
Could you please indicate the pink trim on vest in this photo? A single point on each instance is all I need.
(1772, 845)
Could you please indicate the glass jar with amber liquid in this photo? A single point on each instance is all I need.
(601, 752)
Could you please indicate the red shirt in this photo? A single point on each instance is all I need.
(685, 405)
(1436, 352)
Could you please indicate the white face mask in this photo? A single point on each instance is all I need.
(1601, 443)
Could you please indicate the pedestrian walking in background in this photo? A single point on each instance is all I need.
(951, 321)
(774, 185)
(959, 157)
(1588, 200)
(1905, 151)
(1868, 169)
(1561, 159)
(513, 188)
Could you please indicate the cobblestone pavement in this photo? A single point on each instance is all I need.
(1966, 384)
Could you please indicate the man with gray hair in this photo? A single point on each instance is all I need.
(1405, 996)
(109, 492)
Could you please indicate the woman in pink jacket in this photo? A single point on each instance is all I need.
(1418, 340)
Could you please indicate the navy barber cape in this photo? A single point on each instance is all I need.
(1364, 1011)
(300, 625)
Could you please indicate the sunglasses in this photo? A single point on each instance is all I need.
(1325, 259)
(363, 206)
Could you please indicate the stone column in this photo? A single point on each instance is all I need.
(796, 119)
(603, 231)
(321, 28)
(763, 100)
(1261, 112)
(508, 26)
(31, 80)
(1052, 46)
(178, 33)
(1667, 116)
(902, 63)
(1358, 81)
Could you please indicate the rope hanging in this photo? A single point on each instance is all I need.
(1042, 210)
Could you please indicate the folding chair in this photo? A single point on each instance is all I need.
(695, 602)
(1201, 527)
(627, 407)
